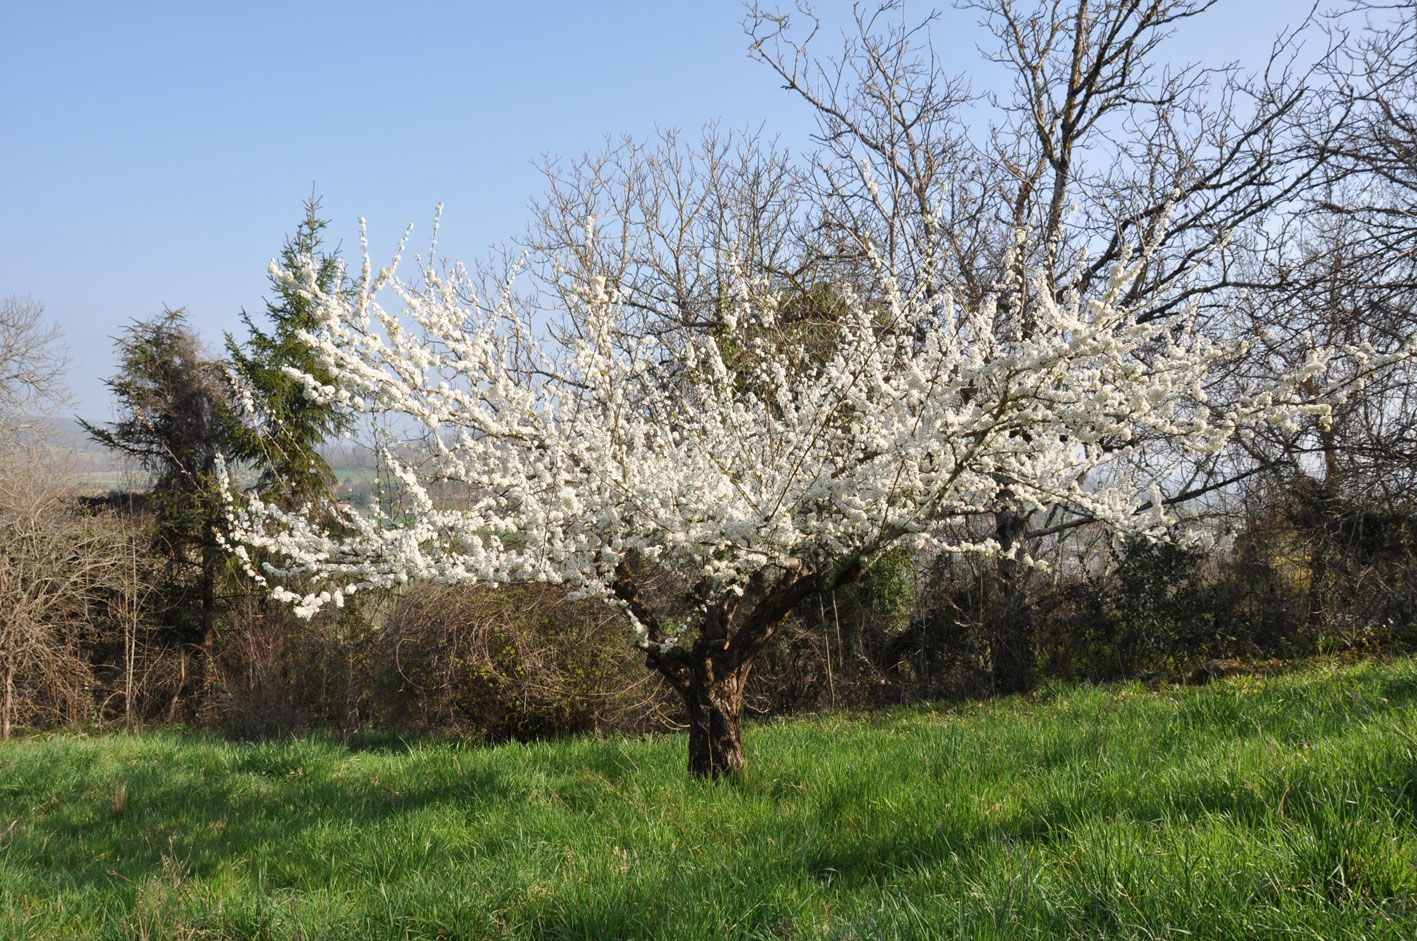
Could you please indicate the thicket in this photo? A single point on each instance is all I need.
(496, 663)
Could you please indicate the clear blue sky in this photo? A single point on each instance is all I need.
(157, 153)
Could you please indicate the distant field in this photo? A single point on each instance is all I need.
(104, 481)
(1276, 808)
(100, 481)
(356, 481)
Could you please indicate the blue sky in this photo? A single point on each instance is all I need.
(157, 153)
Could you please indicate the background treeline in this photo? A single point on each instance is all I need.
(1292, 191)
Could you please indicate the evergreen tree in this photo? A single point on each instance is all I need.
(175, 419)
(284, 435)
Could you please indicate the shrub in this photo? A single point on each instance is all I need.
(512, 662)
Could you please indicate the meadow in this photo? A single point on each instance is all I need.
(1255, 807)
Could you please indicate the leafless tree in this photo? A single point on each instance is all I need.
(1367, 142)
(664, 212)
(31, 360)
(1342, 270)
(1095, 145)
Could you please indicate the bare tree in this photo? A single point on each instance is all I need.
(664, 213)
(31, 360)
(1367, 142)
(1092, 146)
(1344, 268)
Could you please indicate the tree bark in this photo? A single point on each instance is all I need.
(714, 704)
(711, 676)
(1322, 510)
(1014, 667)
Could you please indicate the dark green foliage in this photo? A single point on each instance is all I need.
(175, 420)
(172, 398)
(274, 672)
(1272, 808)
(1150, 612)
(284, 438)
(1296, 582)
(890, 588)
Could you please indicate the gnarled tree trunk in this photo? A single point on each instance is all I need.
(714, 701)
(710, 675)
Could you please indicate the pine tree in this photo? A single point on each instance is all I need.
(283, 438)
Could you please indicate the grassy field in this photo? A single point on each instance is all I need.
(1281, 807)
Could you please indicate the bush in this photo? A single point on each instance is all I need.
(69, 586)
(512, 662)
(273, 673)
(1150, 611)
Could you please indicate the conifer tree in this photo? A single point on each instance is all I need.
(284, 425)
(175, 417)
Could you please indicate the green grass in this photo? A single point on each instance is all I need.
(1281, 807)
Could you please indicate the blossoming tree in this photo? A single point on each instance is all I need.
(749, 473)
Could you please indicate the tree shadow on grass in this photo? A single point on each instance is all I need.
(1299, 795)
(1063, 793)
(205, 805)
(252, 801)
(140, 820)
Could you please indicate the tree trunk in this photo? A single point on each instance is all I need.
(714, 701)
(209, 575)
(1011, 636)
(1014, 667)
(711, 676)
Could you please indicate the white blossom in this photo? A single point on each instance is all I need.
(573, 456)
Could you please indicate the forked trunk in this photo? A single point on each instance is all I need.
(711, 675)
(714, 703)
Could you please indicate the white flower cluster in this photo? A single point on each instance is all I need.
(733, 456)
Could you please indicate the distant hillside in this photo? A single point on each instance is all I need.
(97, 469)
